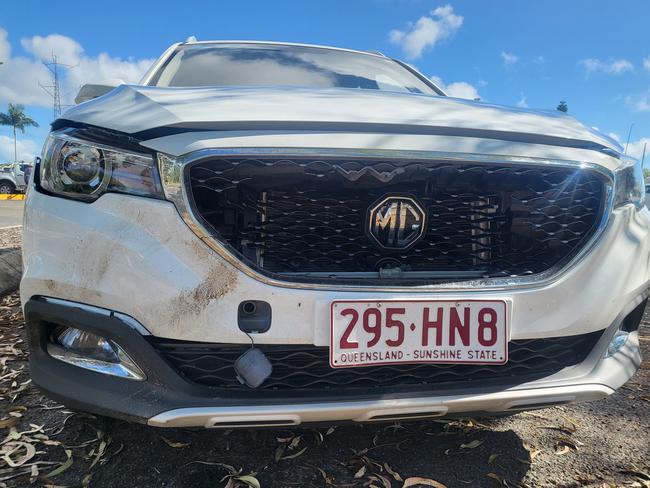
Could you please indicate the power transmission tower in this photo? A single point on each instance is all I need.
(54, 90)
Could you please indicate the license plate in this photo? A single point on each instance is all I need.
(372, 332)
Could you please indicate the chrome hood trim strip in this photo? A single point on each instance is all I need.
(173, 173)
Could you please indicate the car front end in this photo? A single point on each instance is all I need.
(391, 255)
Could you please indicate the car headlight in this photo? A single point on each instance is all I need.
(629, 186)
(82, 169)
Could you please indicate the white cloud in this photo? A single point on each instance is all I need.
(522, 102)
(635, 148)
(26, 149)
(509, 59)
(462, 89)
(620, 66)
(427, 31)
(613, 66)
(646, 63)
(67, 51)
(20, 75)
(639, 103)
(458, 89)
(104, 66)
(5, 47)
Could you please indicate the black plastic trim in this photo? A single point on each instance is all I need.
(632, 321)
(355, 127)
(93, 133)
(164, 388)
(362, 127)
(300, 369)
(337, 278)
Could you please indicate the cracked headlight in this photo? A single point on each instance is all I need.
(82, 169)
(629, 187)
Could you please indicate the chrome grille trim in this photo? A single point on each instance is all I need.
(174, 173)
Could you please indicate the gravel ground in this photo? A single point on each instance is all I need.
(604, 443)
(11, 237)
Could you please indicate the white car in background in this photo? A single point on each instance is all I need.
(269, 234)
(13, 177)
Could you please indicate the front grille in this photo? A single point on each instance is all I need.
(306, 219)
(306, 368)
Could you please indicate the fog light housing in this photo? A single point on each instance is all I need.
(90, 351)
(617, 342)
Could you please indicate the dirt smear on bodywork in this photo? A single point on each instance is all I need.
(219, 280)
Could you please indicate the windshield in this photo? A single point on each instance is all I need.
(261, 64)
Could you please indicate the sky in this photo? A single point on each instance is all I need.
(593, 54)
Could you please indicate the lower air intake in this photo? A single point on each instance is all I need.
(306, 368)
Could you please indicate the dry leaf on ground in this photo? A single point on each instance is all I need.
(416, 480)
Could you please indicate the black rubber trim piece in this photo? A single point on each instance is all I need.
(362, 127)
(632, 321)
(93, 133)
(354, 127)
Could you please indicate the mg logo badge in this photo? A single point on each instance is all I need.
(396, 222)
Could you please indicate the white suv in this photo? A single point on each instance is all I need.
(265, 234)
(13, 177)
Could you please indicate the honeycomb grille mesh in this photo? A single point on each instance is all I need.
(307, 367)
(292, 216)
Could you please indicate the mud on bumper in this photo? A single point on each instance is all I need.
(168, 398)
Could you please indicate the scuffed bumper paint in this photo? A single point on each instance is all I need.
(137, 256)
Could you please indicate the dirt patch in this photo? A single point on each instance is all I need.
(219, 280)
(603, 443)
(11, 237)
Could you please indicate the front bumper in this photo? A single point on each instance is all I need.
(165, 399)
(137, 256)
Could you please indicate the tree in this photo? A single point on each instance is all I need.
(16, 118)
(562, 107)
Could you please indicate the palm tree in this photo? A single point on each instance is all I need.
(16, 118)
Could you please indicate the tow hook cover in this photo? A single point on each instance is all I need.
(253, 368)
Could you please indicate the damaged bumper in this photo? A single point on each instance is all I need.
(128, 268)
(165, 399)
